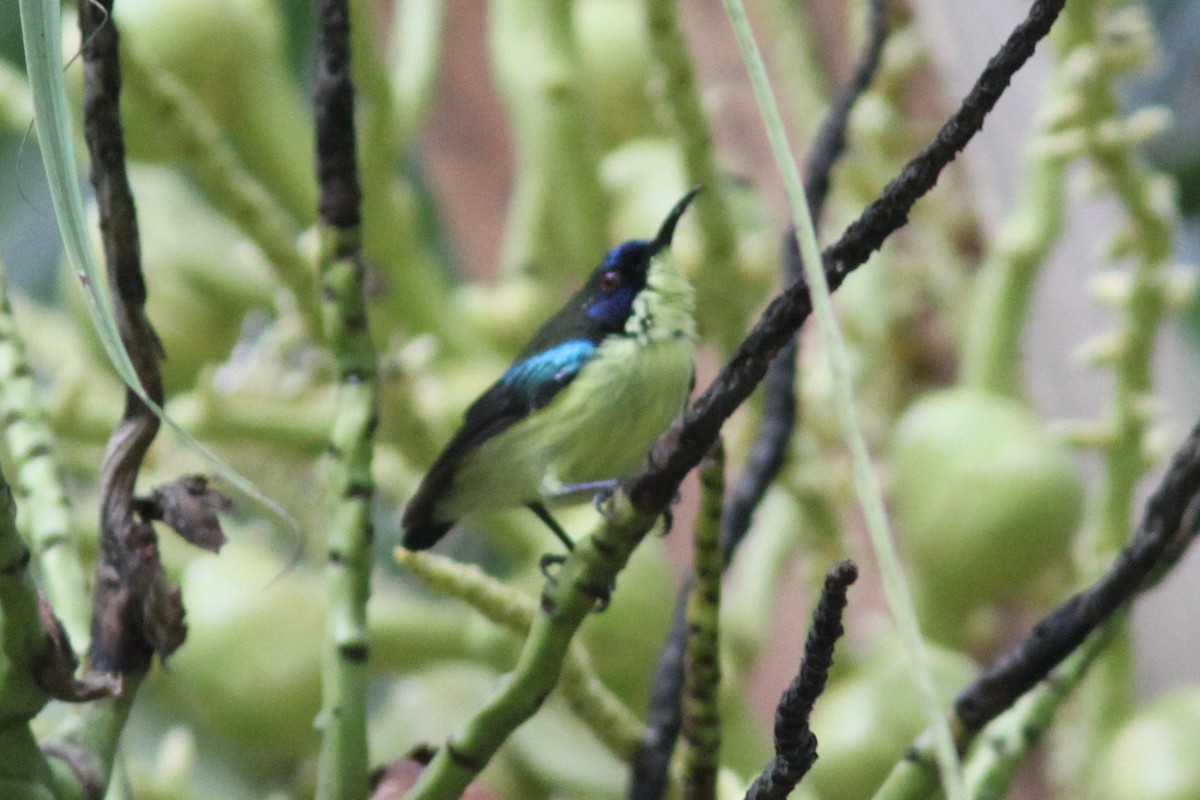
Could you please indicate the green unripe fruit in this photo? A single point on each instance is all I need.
(1154, 757)
(866, 721)
(985, 499)
(251, 668)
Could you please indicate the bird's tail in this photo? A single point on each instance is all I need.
(420, 530)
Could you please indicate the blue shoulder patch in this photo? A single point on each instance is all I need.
(550, 365)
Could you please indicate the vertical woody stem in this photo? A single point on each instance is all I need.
(702, 666)
(343, 765)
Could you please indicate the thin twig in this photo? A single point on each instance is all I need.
(342, 773)
(795, 744)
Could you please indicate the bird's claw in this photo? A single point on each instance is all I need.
(548, 562)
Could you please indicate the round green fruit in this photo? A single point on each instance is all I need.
(985, 499)
(250, 670)
(1155, 756)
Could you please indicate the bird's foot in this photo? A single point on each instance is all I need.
(548, 562)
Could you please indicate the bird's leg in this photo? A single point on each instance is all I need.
(603, 490)
(552, 524)
(553, 559)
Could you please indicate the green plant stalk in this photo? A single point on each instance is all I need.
(612, 722)
(797, 55)
(16, 100)
(726, 310)
(1108, 699)
(31, 444)
(566, 601)
(343, 765)
(991, 354)
(701, 724)
(408, 635)
(417, 47)
(559, 212)
(1008, 739)
(24, 771)
(92, 733)
(417, 293)
(23, 642)
(225, 180)
(899, 598)
(300, 423)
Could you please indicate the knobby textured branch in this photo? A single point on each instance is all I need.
(629, 515)
(702, 662)
(343, 765)
(795, 743)
(1167, 527)
(648, 779)
(29, 440)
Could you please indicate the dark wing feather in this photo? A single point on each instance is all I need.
(530, 384)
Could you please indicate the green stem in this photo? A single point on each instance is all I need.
(22, 639)
(1111, 143)
(417, 49)
(992, 352)
(896, 591)
(559, 213)
(614, 724)
(31, 444)
(567, 599)
(91, 733)
(796, 53)
(416, 290)
(343, 773)
(702, 663)
(1008, 740)
(24, 771)
(226, 181)
(718, 259)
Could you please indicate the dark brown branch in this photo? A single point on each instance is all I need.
(1166, 528)
(333, 94)
(136, 613)
(663, 719)
(795, 744)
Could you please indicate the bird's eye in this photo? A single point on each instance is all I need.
(609, 282)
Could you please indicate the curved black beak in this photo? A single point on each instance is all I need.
(667, 231)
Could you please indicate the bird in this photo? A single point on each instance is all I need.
(581, 404)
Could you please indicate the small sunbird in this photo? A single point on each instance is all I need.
(582, 403)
